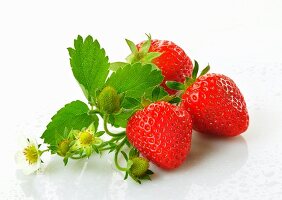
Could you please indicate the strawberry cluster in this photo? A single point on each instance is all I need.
(156, 97)
(211, 104)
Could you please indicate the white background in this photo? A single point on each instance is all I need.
(240, 38)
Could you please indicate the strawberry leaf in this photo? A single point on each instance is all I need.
(135, 79)
(129, 103)
(90, 65)
(116, 65)
(72, 116)
(120, 120)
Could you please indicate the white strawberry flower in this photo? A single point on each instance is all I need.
(28, 157)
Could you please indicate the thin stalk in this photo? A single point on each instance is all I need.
(79, 157)
(112, 140)
(41, 152)
(106, 119)
(116, 156)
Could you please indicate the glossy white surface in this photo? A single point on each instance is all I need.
(241, 39)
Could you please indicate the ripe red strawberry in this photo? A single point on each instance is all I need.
(216, 105)
(167, 56)
(162, 133)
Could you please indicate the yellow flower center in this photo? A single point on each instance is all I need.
(31, 154)
(85, 138)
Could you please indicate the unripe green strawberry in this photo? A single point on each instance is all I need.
(63, 147)
(109, 100)
(139, 167)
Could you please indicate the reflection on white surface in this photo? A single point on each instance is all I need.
(211, 161)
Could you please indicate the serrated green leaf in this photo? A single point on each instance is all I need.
(116, 65)
(135, 79)
(120, 120)
(71, 116)
(129, 102)
(89, 64)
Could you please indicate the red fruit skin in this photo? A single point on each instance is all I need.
(216, 106)
(162, 133)
(174, 63)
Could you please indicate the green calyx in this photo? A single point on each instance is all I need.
(139, 167)
(142, 54)
(108, 100)
(63, 147)
(189, 80)
(158, 94)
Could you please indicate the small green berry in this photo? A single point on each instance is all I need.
(63, 147)
(108, 100)
(139, 167)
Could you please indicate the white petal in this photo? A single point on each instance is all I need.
(31, 169)
(20, 160)
(22, 141)
(33, 141)
(23, 164)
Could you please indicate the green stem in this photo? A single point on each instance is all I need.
(41, 152)
(79, 157)
(116, 156)
(91, 112)
(106, 119)
(104, 149)
(112, 140)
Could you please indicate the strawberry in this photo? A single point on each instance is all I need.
(216, 105)
(162, 133)
(166, 55)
